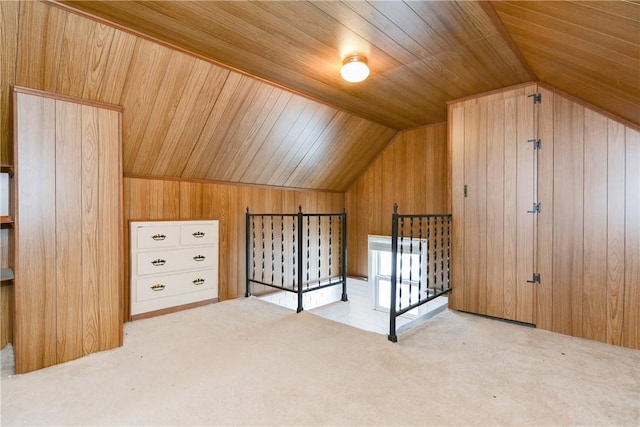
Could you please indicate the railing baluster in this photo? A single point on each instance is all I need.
(282, 250)
(330, 245)
(410, 257)
(273, 260)
(319, 251)
(442, 255)
(420, 259)
(293, 252)
(429, 245)
(401, 258)
(308, 248)
(262, 235)
(435, 253)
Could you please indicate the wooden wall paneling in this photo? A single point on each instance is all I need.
(543, 313)
(289, 129)
(457, 126)
(68, 214)
(196, 103)
(320, 115)
(113, 79)
(97, 60)
(41, 33)
(7, 307)
(510, 236)
(526, 196)
(475, 209)
(263, 136)
(35, 301)
(594, 300)
(164, 108)
(631, 328)
(110, 233)
(568, 216)
(75, 55)
(89, 230)
(495, 208)
(236, 90)
(143, 84)
(9, 13)
(615, 257)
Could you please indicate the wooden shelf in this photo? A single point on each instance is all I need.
(6, 219)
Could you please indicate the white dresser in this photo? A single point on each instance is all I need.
(173, 263)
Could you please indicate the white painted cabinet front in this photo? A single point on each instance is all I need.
(173, 263)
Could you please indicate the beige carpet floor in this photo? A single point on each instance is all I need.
(247, 362)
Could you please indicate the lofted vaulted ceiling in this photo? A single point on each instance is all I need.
(250, 92)
(421, 53)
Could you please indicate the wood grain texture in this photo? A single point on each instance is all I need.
(631, 329)
(594, 317)
(68, 244)
(412, 172)
(568, 205)
(6, 325)
(590, 49)
(510, 248)
(110, 235)
(186, 117)
(68, 213)
(89, 233)
(301, 46)
(456, 126)
(616, 171)
(35, 289)
(475, 212)
(9, 18)
(496, 213)
(526, 196)
(544, 291)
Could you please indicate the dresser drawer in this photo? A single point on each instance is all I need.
(155, 262)
(174, 284)
(199, 234)
(157, 236)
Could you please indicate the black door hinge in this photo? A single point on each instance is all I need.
(537, 98)
(537, 208)
(535, 279)
(465, 190)
(537, 143)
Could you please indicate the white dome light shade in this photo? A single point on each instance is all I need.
(354, 68)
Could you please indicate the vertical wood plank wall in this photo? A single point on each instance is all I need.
(158, 199)
(412, 171)
(68, 209)
(493, 245)
(588, 232)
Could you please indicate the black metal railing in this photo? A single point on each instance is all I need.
(296, 252)
(420, 262)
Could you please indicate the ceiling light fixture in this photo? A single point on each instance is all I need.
(354, 68)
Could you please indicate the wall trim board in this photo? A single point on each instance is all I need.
(66, 98)
(491, 92)
(239, 184)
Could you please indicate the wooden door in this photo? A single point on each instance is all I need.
(68, 250)
(493, 180)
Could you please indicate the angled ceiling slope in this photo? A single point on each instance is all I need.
(589, 49)
(421, 53)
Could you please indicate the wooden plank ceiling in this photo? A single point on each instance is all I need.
(588, 49)
(250, 92)
(421, 54)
